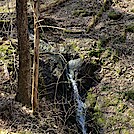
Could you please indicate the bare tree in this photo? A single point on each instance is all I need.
(24, 78)
(36, 58)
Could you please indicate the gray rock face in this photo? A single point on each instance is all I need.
(74, 65)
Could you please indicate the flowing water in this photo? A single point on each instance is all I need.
(72, 72)
(73, 66)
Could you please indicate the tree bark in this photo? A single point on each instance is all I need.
(36, 59)
(24, 78)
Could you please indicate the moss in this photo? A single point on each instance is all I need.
(106, 54)
(130, 28)
(130, 113)
(102, 42)
(114, 57)
(101, 120)
(76, 48)
(115, 101)
(91, 99)
(132, 10)
(116, 131)
(2, 131)
(97, 107)
(4, 9)
(105, 87)
(6, 55)
(81, 12)
(114, 15)
(82, 56)
(132, 122)
(6, 51)
(96, 52)
(129, 95)
(25, 132)
(98, 117)
(73, 31)
(125, 131)
(121, 107)
(107, 102)
(4, 21)
(118, 70)
(111, 121)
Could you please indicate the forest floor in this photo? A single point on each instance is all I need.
(102, 33)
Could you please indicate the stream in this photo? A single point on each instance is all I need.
(72, 72)
(73, 67)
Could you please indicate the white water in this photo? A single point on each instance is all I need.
(80, 106)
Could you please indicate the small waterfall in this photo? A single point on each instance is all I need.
(73, 66)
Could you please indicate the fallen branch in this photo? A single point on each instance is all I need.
(64, 29)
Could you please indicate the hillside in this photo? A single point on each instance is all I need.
(101, 34)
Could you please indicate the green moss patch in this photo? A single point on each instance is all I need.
(129, 95)
(132, 10)
(114, 15)
(130, 28)
(81, 12)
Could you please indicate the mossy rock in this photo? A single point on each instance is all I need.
(130, 28)
(114, 15)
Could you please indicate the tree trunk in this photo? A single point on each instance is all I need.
(24, 78)
(36, 59)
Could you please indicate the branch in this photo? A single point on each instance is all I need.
(64, 29)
